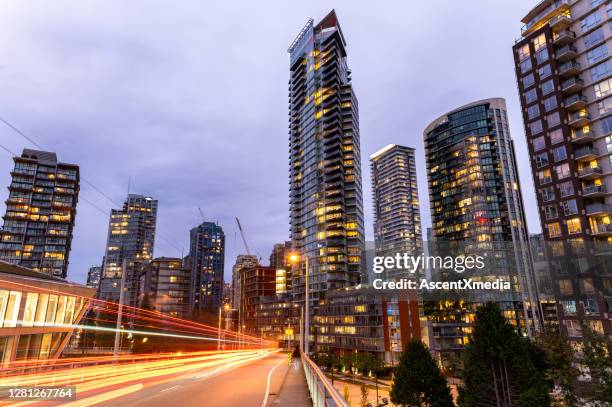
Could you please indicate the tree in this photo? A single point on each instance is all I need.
(348, 361)
(364, 395)
(561, 370)
(597, 357)
(371, 364)
(500, 368)
(418, 380)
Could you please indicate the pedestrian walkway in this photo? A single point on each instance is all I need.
(292, 389)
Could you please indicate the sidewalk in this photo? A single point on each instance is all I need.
(293, 390)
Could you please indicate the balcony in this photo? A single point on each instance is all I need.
(542, 13)
(588, 173)
(563, 37)
(569, 69)
(575, 102)
(566, 53)
(579, 119)
(572, 85)
(586, 154)
(597, 209)
(594, 191)
(582, 137)
(560, 22)
(601, 229)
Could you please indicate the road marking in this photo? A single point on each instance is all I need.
(170, 388)
(265, 400)
(109, 395)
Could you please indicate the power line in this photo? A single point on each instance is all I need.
(7, 150)
(16, 130)
(95, 188)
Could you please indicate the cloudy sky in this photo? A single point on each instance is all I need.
(189, 99)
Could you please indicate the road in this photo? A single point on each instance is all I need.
(242, 386)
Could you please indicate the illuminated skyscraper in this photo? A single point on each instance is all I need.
(476, 205)
(326, 200)
(564, 77)
(131, 237)
(40, 213)
(207, 258)
(397, 220)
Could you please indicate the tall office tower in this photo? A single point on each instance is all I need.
(476, 205)
(130, 241)
(397, 220)
(564, 75)
(40, 212)
(207, 256)
(93, 276)
(326, 203)
(243, 261)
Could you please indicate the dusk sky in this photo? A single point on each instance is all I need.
(189, 99)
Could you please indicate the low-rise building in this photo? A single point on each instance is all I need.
(38, 313)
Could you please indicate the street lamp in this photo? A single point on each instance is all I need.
(226, 307)
(294, 258)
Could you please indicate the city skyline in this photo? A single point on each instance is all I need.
(384, 119)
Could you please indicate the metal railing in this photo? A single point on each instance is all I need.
(322, 392)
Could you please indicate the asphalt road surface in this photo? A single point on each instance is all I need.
(239, 386)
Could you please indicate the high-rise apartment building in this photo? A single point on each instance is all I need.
(476, 205)
(243, 261)
(93, 276)
(326, 203)
(280, 261)
(397, 220)
(207, 257)
(40, 213)
(131, 237)
(564, 76)
(166, 285)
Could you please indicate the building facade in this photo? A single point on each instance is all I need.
(38, 313)
(564, 75)
(256, 284)
(360, 319)
(476, 205)
(130, 242)
(243, 261)
(397, 220)
(326, 202)
(165, 285)
(207, 257)
(93, 276)
(40, 213)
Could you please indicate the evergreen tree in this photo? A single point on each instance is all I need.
(561, 370)
(418, 381)
(500, 368)
(597, 357)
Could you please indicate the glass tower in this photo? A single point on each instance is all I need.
(207, 257)
(131, 237)
(476, 205)
(326, 203)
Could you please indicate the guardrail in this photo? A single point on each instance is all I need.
(322, 392)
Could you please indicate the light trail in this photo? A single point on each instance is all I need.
(99, 383)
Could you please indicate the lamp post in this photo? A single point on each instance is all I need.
(294, 258)
(225, 307)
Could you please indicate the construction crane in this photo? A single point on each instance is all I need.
(246, 246)
(201, 214)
